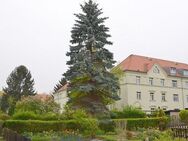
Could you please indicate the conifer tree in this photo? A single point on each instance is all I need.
(60, 84)
(19, 83)
(91, 85)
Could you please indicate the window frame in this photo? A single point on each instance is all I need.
(138, 95)
(163, 97)
(173, 71)
(174, 83)
(152, 97)
(175, 97)
(162, 81)
(151, 81)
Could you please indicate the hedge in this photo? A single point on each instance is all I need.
(83, 125)
(36, 126)
(132, 124)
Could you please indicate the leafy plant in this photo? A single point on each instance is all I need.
(184, 116)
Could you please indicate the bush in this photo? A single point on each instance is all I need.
(73, 114)
(28, 115)
(184, 116)
(36, 105)
(128, 112)
(88, 126)
(84, 126)
(35, 126)
(158, 113)
(132, 124)
(107, 125)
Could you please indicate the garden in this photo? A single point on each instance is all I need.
(41, 121)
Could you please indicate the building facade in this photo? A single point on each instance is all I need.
(150, 83)
(60, 97)
(147, 83)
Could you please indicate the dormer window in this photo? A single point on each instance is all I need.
(156, 70)
(185, 72)
(173, 71)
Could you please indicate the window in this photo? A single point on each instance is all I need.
(174, 83)
(185, 72)
(173, 71)
(163, 97)
(138, 95)
(175, 97)
(162, 82)
(164, 109)
(138, 80)
(151, 96)
(156, 70)
(152, 109)
(151, 81)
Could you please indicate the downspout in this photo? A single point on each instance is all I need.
(182, 92)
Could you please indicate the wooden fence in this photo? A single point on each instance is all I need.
(180, 131)
(10, 135)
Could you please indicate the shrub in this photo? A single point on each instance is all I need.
(128, 112)
(73, 114)
(85, 126)
(88, 126)
(107, 125)
(158, 113)
(35, 126)
(28, 115)
(184, 116)
(38, 106)
(142, 122)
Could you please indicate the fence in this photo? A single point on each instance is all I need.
(180, 131)
(10, 135)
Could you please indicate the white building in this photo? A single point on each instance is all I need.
(150, 83)
(60, 97)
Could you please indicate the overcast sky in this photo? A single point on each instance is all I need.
(36, 33)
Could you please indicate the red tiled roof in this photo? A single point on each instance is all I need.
(43, 96)
(144, 64)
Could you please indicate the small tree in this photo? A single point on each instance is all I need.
(91, 85)
(19, 83)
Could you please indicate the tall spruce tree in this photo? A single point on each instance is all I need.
(19, 83)
(60, 84)
(91, 85)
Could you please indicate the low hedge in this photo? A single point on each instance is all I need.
(132, 124)
(39, 126)
(36, 126)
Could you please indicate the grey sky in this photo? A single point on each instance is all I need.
(36, 33)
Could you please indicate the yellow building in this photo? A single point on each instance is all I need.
(150, 83)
